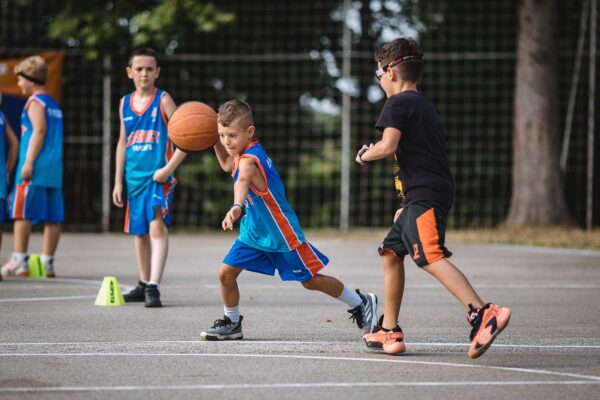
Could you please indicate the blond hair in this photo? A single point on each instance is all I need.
(235, 111)
(33, 68)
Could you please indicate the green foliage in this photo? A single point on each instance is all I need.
(101, 26)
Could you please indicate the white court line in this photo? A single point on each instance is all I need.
(561, 285)
(394, 360)
(124, 288)
(286, 386)
(251, 342)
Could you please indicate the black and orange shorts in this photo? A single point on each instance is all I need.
(420, 231)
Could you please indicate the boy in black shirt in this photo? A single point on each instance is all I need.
(414, 134)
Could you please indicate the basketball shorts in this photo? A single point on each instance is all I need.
(37, 204)
(299, 265)
(154, 200)
(420, 232)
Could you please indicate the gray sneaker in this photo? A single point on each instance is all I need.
(365, 314)
(224, 329)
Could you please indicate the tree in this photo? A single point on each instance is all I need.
(103, 26)
(537, 195)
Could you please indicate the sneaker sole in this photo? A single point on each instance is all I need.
(378, 348)
(235, 336)
(484, 348)
(153, 305)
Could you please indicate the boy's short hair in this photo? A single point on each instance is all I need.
(33, 68)
(409, 69)
(143, 51)
(235, 111)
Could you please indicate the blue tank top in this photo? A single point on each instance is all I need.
(148, 145)
(3, 122)
(48, 166)
(270, 224)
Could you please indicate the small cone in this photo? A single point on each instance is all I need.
(109, 294)
(36, 268)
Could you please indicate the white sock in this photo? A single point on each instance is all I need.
(154, 283)
(232, 313)
(19, 257)
(46, 259)
(351, 298)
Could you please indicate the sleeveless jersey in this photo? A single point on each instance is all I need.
(48, 166)
(3, 122)
(148, 145)
(270, 224)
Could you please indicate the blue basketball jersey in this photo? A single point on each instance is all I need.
(3, 122)
(270, 223)
(48, 166)
(148, 145)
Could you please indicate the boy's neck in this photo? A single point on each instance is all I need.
(403, 86)
(143, 93)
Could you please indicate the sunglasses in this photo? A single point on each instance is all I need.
(383, 69)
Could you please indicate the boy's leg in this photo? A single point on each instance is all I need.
(393, 289)
(326, 284)
(22, 231)
(51, 238)
(456, 283)
(230, 326)
(159, 243)
(17, 265)
(142, 253)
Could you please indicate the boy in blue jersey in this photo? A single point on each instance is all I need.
(37, 196)
(270, 235)
(147, 159)
(7, 162)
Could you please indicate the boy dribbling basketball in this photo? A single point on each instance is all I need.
(146, 157)
(270, 235)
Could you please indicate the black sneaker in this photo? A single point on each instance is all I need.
(365, 314)
(224, 329)
(136, 294)
(152, 296)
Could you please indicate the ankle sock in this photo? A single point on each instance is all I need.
(232, 313)
(351, 298)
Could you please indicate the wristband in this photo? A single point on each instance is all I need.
(361, 152)
(237, 205)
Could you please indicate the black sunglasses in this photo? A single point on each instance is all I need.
(383, 69)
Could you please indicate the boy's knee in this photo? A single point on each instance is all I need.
(310, 284)
(158, 229)
(226, 275)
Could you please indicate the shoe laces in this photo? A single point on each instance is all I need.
(475, 316)
(222, 322)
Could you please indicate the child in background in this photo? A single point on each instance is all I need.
(7, 162)
(146, 156)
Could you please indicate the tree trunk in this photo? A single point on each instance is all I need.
(537, 193)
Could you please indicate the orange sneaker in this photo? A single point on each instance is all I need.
(391, 342)
(487, 323)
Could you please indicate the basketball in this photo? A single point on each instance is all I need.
(193, 126)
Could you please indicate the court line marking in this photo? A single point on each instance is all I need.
(285, 386)
(251, 342)
(437, 286)
(300, 357)
(124, 288)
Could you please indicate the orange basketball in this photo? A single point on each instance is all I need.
(193, 126)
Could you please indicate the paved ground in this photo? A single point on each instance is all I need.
(55, 344)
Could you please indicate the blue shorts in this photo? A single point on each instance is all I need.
(37, 204)
(142, 209)
(299, 265)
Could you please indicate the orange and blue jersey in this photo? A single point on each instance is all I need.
(3, 122)
(270, 223)
(148, 145)
(48, 166)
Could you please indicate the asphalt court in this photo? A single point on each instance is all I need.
(55, 344)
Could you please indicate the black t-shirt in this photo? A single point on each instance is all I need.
(424, 170)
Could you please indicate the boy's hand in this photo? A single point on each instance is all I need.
(26, 171)
(161, 175)
(362, 151)
(397, 215)
(231, 216)
(117, 195)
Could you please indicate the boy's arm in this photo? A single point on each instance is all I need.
(38, 121)
(13, 150)
(168, 105)
(162, 174)
(246, 170)
(225, 160)
(382, 149)
(117, 194)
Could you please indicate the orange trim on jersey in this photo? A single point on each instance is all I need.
(20, 199)
(169, 151)
(281, 220)
(146, 106)
(126, 226)
(309, 258)
(236, 160)
(162, 110)
(33, 98)
(428, 236)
